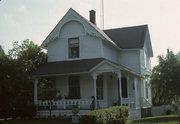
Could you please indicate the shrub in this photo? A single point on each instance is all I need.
(168, 112)
(112, 115)
(25, 111)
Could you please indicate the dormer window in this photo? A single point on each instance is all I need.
(73, 47)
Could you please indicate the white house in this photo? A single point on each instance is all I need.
(86, 61)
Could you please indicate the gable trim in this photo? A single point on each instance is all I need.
(90, 28)
(103, 62)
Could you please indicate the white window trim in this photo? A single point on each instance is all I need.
(146, 94)
(68, 57)
(101, 87)
(145, 59)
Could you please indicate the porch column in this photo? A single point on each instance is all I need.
(136, 92)
(35, 92)
(119, 88)
(94, 88)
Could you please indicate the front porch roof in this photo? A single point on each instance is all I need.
(74, 67)
(67, 67)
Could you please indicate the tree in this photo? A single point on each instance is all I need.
(29, 55)
(165, 80)
(6, 77)
(16, 89)
(1, 51)
(178, 55)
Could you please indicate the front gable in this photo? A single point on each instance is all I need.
(87, 28)
(105, 66)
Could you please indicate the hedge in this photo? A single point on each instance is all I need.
(112, 115)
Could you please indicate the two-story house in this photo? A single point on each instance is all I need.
(86, 61)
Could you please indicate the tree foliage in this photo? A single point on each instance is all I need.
(16, 88)
(28, 54)
(165, 80)
(1, 51)
(178, 55)
(6, 76)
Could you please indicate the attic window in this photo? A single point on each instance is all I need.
(73, 47)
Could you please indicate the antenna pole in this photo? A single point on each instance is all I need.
(102, 14)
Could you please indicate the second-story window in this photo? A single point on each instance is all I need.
(145, 60)
(73, 47)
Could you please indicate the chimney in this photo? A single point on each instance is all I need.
(92, 16)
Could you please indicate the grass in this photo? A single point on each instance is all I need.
(37, 121)
(166, 119)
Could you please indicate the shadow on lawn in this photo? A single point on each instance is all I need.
(157, 119)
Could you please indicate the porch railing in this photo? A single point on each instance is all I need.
(64, 107)
(65, 104)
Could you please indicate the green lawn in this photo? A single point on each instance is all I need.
(167, 119)
(37, 121)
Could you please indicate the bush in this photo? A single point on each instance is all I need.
(168, 112)
(25, 111)
(112, 115)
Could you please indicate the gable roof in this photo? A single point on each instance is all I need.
(101, 32)
(128, 37)
(120, 38)
(73, 15)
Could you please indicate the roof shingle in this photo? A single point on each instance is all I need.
(128, 37)
(66, 67)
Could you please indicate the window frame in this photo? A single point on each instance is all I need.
(100, 87)
(145, 59)
(124, 86)
(146, 90)
(73, 45)
(74, 91)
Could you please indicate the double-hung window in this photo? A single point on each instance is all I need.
(99, 87)
(73, 47)
(74, 87)
(146, 90)
(145, 60)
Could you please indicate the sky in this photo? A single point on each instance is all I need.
(35, 19)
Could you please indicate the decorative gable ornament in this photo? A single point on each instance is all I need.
(72, 15)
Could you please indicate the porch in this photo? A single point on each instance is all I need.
(110, 84)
